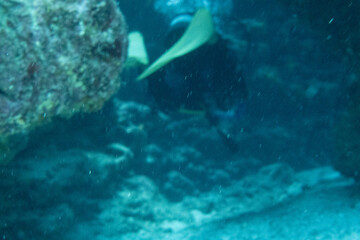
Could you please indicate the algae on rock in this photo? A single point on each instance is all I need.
(57, 58)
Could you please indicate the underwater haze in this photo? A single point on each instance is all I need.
(179, 120)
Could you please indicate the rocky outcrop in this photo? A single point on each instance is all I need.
(57, 58)
(338, 22)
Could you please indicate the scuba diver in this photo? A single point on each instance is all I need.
(206, 79)
(198, 74)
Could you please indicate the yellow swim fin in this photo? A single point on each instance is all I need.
(200, 113)
(137, 54)
(200, 31)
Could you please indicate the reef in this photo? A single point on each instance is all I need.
(338, 23)
(57, 58)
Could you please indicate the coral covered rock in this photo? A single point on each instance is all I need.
(57, 58)
(348, 137)
(338, 22)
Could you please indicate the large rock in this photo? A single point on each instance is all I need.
(338, 22)
(57, 58)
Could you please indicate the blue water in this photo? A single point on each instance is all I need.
(241, 145)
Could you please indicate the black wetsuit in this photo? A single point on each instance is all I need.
(205, 79)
